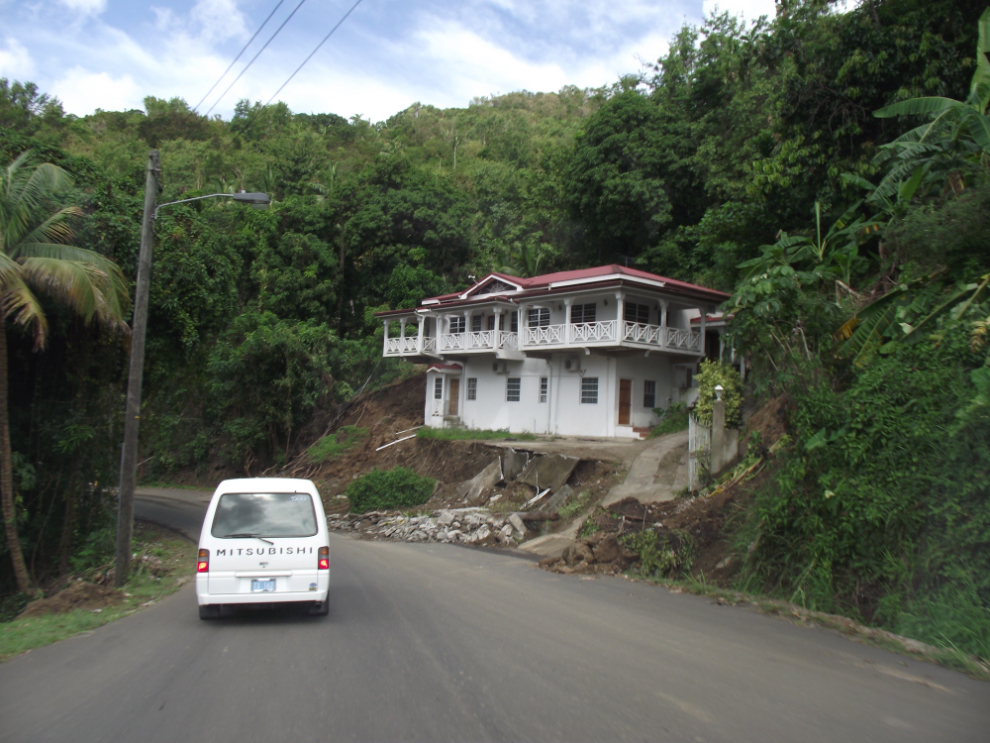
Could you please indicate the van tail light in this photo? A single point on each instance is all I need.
(324, 562)
(203, 564)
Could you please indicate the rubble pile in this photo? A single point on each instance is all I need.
(477, 526)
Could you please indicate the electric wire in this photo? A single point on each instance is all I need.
(255, 57)
(239, 54)
(314, 51)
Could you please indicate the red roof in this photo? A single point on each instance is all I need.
(536, 285)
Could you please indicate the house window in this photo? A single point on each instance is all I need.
(589, 390)
(491, 322)
(457, 324)
(539, 317)
(649, 394)
(512, 385)
(583, 313)
(438, 388)
(475, 323)
(472, 390)
(638, 313)
(544, 386)
(515, 322)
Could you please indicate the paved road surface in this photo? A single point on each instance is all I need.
(437, 642)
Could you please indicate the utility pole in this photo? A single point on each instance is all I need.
(132, 416)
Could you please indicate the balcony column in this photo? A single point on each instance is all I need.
(497, 335)
(620, 317)
(704, 314)
(419, 334)
(385, 349)
(402, 335)
(663, 322)
(523, 324)
(567, 321)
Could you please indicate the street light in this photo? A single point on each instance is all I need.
(128, 456)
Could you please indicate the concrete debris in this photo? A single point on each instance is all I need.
(557, 500)
(489, 477)
(551, 471)
(513, 462)
(450, 525)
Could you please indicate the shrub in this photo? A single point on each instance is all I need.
(672, 420)
(389, 489)
(712, 374)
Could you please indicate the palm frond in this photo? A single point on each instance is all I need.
(18, 302)
(918, 107)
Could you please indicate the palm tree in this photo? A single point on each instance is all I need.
(36, 257)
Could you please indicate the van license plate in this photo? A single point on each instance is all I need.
(262, 586)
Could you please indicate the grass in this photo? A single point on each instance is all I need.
(177, 558)
(335, 444)
(575, 506)
(471, 434)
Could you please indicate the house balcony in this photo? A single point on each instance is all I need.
(504, 344)
(607, 333)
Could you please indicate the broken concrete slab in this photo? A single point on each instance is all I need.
(513, 462)
(487, 478)
(550, 545)
(558, 499)
(517, 524)
(551, 471)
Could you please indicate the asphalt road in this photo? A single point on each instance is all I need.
(437, 642)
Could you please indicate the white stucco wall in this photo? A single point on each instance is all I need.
(563, 413)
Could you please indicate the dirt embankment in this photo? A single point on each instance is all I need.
(686, 535)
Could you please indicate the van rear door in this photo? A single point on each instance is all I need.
(263, 543)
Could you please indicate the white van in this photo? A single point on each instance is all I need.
(264, 541)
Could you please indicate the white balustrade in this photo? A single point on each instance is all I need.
(641, 333)
(430, 345)
(508, 339)
(593, 332)
(548, 335)
(393, 347)
(694, 342)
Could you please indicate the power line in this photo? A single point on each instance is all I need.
(244, 49)
(315, 50)
(256, 56)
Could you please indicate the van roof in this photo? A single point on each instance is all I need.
(267, 485)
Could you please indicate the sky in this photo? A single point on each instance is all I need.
(388, 54)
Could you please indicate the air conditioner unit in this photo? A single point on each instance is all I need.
(500, 367)
(572, 364)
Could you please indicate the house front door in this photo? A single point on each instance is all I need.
(454, 392)
(625, 401)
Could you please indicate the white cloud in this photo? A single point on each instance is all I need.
(85, 7)
(82, 91)
(217, 19)
(15, 61)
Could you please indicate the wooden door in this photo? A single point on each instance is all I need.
(625, 401)
(455, 393)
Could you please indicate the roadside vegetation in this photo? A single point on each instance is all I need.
(383, 490)
(164, 563)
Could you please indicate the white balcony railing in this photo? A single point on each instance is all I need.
(429, 345)
(481, 341)
(407, 345)
(593, 332)
(640, 333)
(686, 339)
(508, 339)
(548, 335)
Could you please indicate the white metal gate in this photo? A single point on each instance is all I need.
(699, 452)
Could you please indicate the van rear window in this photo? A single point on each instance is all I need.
(265, 515)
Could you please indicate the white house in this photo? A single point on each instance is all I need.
(589, 352)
